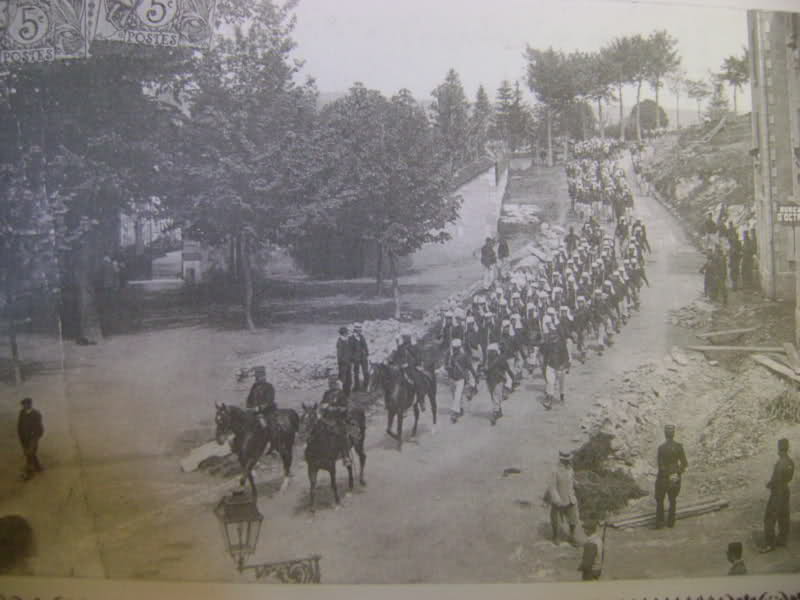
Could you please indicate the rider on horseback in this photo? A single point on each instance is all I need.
(333, 410)
(261, 398)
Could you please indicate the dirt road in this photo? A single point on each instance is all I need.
(440, 511)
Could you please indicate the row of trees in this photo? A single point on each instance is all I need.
(231, 142)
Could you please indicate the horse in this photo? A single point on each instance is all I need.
(323, 448)
(251, 438)
(399, 395)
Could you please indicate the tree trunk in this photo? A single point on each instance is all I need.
(395, 285)
(566, 149)
(621, 115)
(549, 119)
(582, 121)
(88, 318)
(735, 111)
(600, 118)
(247, 281)
(379, 270)
(12, 340)
(638, 112)
(699, 116)
(678, 110)
(658, 112)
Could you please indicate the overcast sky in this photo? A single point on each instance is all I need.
(391, 44)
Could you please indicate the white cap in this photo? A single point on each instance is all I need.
(449, 313)
(456, 343)
(530, 305)
(502, 302)
(470, 319)
(551, 310)
(493, 348)
(505, 323)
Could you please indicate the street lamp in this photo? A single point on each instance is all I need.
(241, 525)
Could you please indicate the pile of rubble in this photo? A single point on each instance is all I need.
(696, 315)
(737, 427)
(520, 214)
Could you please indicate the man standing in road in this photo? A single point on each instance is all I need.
(488, 260)
(778, 504)
(671, 465)
(503, 253)
(459, 366)
(344, 359)
(561, 497)
(30, 430)
(360, 359)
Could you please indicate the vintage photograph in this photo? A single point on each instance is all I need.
(380, 292)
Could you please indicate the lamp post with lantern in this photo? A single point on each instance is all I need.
(241, 522)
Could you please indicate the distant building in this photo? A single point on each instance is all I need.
(774, 40)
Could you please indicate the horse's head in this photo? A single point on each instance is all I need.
(309, 416)
(223, 422)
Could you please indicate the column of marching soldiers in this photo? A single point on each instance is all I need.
(539, 319)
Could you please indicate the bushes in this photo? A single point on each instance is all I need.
(600, 490)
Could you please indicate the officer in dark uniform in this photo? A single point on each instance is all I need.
(778, 504)
(709, 277)
(344, 358)
(333, 410)
(262, 393)
(360, 358)
(29, 431)
(671, 465)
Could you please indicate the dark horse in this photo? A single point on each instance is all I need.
(323, 447)
(399, 395)
(251, 437)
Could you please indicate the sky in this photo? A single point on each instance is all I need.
(392, 44)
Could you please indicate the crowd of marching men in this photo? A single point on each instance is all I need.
(574, 302)
(597, 182)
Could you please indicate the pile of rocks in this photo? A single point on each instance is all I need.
(738, 425)
(696, 315)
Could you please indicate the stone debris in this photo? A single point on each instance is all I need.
(696, 315)
(520, 214)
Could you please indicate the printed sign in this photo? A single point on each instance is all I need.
(789, 213)
(39, 31)
(170, 23)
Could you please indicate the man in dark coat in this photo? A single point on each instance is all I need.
(748, 260)
(735, 260)
(360, 358)
(503, 253)
(778, 504)
(29, 431)
(497, 370)
(488, 260)
(344, 359)
(333, 410)
(671, 465)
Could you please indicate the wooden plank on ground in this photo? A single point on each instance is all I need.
(775, 366)
(201, 453)
(794, 358)
(710, 334)
(685, 507)
(681, 513)
(736, 348)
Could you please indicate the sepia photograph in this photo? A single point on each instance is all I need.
(383, 292)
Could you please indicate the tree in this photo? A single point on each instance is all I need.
(393, 176)
(698, 90)
(676, 81)
(663, 59)
(718, 106)
(551, 78)
(479, 124)
(619, 54)
(451, 117)
(241, 148)
(735, 72)
(639, 62)
(648, 112)
(504, 100)
(598, 75)
(519, 120)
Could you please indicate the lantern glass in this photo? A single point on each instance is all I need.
(241, 525)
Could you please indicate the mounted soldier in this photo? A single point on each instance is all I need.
(333, 409)
(261, 398)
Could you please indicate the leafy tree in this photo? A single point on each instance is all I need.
(551, 78)
(519, 120)
(718, 105)
(639, 62)
(663, 59)
(698, 90)
(648, 112)
(597, 73)
(392, 174)
(676, 81)
(451, 117)
(620, 56)
(479, 124)
(735, 72)
(249, 122)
